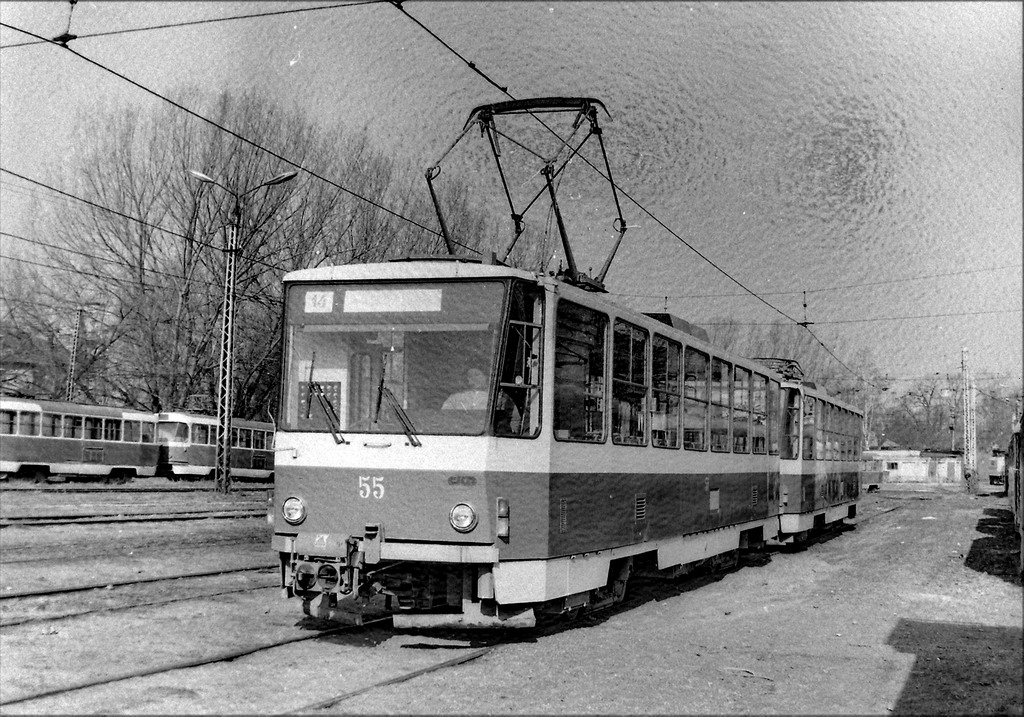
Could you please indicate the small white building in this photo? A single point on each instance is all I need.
(909, 466)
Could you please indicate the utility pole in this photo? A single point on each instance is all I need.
(970, 439)
(69, 391)
(225, 394)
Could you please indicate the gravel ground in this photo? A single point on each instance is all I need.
(915, 610)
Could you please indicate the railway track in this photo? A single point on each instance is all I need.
(7, 487)
(103, 585)
(135, 605)
(226, 656)
(123, 517)
(58, 552)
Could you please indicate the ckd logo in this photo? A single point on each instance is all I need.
(461, 480)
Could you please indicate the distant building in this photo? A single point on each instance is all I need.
(908, 466)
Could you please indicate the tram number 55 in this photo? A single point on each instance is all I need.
(371, 486)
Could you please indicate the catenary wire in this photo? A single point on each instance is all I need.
(207, 21)
(639, 205)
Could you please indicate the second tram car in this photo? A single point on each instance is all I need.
(43, 439)
(188, 447)
(477, 445)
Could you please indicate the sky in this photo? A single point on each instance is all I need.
(866, 153)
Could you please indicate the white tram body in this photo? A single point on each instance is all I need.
(476, 445)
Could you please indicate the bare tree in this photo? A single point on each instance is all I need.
(147, 249)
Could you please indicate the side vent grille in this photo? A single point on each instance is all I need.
(641, 508)
(562, 516)
(753, 496)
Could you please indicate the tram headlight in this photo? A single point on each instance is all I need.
(293, 510)
(305, 576)
(463, 518)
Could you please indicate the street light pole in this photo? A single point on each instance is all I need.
(225, 394)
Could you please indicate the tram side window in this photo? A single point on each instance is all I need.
(759, 414)
(665, 367)
(74, 426)
(721, 418)
(629, 385)
(148, 432)
(791, 422)
(580, 337)
(858, 427)
(808, 429)
(695, 400)
(28, 424)
(741, 411)
(773, 417)
(846, 449)
(112, 429)
(8, 422)
(245, 438)
(200, 434)
(52, 425)
(132, 431)
(93, 428)
(819, 430)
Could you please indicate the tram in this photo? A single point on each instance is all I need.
(599, 440)
(42, 440)
(464, 443)
(188, 447)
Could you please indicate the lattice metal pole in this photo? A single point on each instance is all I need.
(69, 392)
(970, 439)
(225, 394)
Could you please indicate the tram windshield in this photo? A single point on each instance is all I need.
(412, 358)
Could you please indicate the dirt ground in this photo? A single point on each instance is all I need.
(915, 610)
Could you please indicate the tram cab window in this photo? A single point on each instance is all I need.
(721, 409)
(695, 400)
(629, 385)
(741, 411)
(580, 338)
(259, 440)
(172, 432)
(665, 374)
(382, 358)
(517, 407)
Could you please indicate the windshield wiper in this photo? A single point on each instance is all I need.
(315, 389)
(383, 392)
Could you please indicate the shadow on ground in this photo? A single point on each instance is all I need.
(960, 668)
(998, 553)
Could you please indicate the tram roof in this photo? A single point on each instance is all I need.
(413, 269)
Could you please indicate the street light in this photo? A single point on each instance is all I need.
(225, 396)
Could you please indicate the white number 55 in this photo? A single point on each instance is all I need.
(371, 486)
